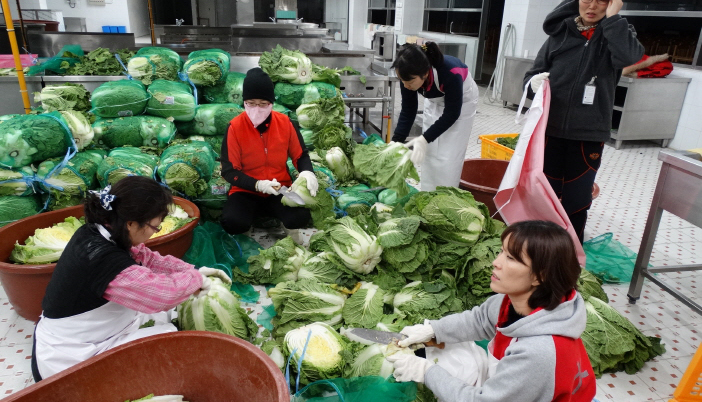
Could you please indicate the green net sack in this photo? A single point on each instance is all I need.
(389, 196)
(14, 207)
(26, 139)
(294, 95)
(153, 63)
(65, 96)
(186, 168)
(119, 99)
(59, 64)
(608, 259)
(17, 182)
(357, 389)
(210, 120)
(374, 139)
(66, 183)
(123, 162)
(228, 90)
(135, 131)
(171, 99)
(215, 196)
(207, 67)
(355, 204)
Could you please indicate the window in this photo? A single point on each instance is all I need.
(381, 12)
(453, 16)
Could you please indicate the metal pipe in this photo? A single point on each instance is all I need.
(24, 31)
(16, 54)
(151, 24)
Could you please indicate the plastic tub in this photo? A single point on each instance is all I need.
(201, 366)
(482, 177)
(491, 149)
(25, 285)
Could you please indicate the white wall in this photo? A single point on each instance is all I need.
(689, 132)
(338, 11)
(139, 17)
(358, 15)
(115, 13)
(26, 4)
(527, 17)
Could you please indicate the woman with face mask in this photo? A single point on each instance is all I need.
(589, 44)
(255, 151)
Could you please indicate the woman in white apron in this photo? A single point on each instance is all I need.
(534, 323)
(451, 99)
(107, 284)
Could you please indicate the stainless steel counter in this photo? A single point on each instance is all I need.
(678, 191)
(47, 44)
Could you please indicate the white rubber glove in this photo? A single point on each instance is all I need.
(218, 273)
(205, 288)
(537, 80)
(268, 186)
(409, 367)
(312, 184)
(419, 145)
(419, 333)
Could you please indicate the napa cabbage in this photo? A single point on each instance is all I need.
(321, 206)
(324, 357)
(339, 164)
(284, 65)
(357, 250)
(16, 181)
(386, 165)
(228, 90)
(207, 67)
(47, 244)
(188, 167)
(80, 127)
(306, 301)
(63, 97)
(317, 114)
(171, 99)
(365, 307)
(278, 263)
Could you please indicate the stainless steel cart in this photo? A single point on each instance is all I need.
(679, 191)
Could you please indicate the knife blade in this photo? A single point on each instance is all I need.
(291, 195)
(385, 338)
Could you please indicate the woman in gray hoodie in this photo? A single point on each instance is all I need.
(589, 44)
(534, 323)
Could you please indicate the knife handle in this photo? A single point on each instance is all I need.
(432, 344)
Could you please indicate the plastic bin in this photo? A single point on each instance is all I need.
(490, 149)
(25, 285)
(121, 29)
(106, 29)
(690, 387)
(201, 366)
(482, 177)
(113, 29)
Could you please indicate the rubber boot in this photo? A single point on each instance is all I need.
(296, 235)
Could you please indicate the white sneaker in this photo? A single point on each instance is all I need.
(296, 235)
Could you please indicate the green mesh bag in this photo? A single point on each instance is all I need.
(389, 196)
(59, 64)
(608, 259)
(66, 184)
(357, 389)
(14, 207)
(210, 120)
(207, 67)
(171, 99)
(135, 131)
(17, 182)
(374, 139)
(355, 204)
(215, 196)
(187, 168)
(294, 95)
(152, 63)
(119, 99)
(123, 162)
(229, 90)
(26, 139)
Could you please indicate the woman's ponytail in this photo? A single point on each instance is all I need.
(416, 61)
(436, 58)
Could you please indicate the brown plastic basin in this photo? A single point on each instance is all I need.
(25, 285)
(482, 177)
(201, 366)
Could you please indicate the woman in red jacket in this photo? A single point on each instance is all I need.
(255, 151)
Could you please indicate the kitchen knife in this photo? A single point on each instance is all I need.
(291, 195)
(384, 337)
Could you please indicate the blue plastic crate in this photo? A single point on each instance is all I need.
(121, 29)
(106, 28)
(113, 29)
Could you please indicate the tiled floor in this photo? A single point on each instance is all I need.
(627, 180)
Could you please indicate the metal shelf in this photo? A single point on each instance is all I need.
(655, 13)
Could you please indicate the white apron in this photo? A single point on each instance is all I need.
(443, 163)
(65, 342)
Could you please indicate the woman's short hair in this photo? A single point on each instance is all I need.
(554, 261)
(415, 61)
(138, 199)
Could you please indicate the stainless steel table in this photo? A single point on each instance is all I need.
(679, 191)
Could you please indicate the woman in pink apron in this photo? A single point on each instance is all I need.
(107, 284)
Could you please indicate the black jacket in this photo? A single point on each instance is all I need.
(573, 61)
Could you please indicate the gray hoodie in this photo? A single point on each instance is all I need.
(573, 61)
(541, 342)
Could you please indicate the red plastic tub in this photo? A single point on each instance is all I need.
(25, 285)
(482, 177)
(201, 366)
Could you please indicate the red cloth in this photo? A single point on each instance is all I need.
(656, 70)
(525, 193)
(588, 34)
(263, 156)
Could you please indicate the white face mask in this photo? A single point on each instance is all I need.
(258, 115)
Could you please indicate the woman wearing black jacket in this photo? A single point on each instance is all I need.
(589, 44)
